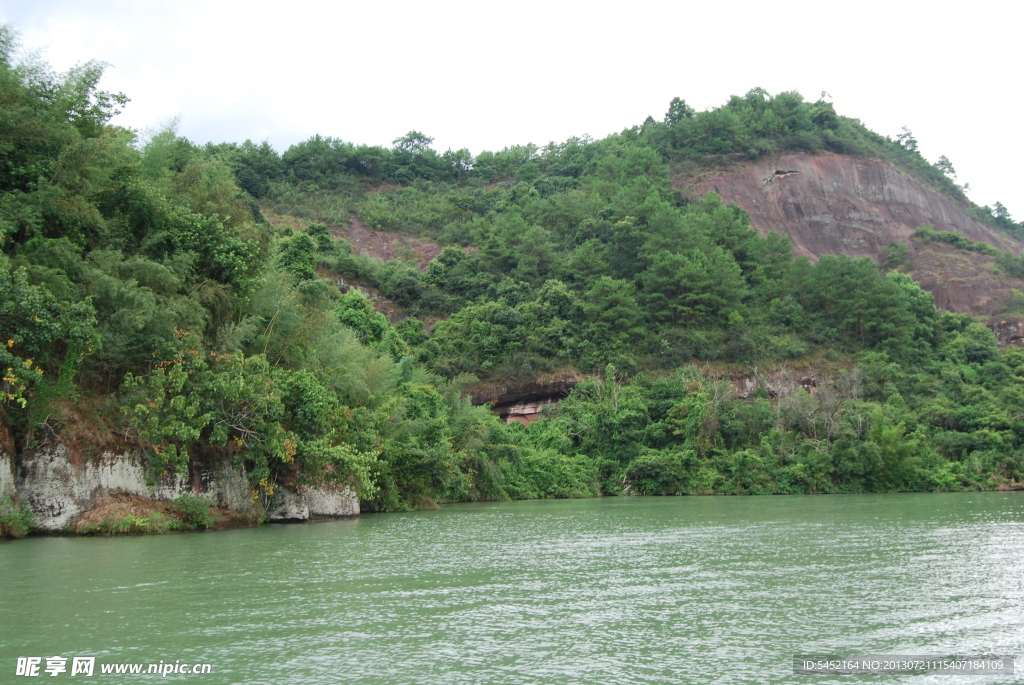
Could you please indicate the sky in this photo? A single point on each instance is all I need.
(488, 75)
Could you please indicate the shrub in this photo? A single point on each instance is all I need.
(556, 475)
(15, 520)
(194, 512)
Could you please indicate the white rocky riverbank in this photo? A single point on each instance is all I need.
(59, 489)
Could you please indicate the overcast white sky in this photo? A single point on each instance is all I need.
(486, 75)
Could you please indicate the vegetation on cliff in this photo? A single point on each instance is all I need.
(143, 299)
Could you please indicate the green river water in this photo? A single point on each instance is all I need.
(613, 590)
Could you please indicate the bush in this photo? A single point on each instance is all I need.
(15, 520)
(194, 512)
(928, 234)
(556, 475)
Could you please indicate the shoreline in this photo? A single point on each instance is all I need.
(227, 520)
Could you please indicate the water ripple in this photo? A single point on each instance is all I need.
(629, 590)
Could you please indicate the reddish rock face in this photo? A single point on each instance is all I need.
(832, 204)
(525, 413)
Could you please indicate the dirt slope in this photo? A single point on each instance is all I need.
(962, 281)
(385, 245)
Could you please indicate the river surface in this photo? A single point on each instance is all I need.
(613, 590)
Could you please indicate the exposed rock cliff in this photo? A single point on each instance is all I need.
(306, 503)
(1009, 330)
(523, 402)
(833, 204)
(7, 482)
(59, 489)
(776, 382)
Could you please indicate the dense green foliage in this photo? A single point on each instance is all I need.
(141, 295)
(15, 519)
(193, 512)
(139, 279)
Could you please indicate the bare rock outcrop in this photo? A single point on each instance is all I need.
(1009, 330)
(59, 489)
(8, 487)
(306, 503)
(523, 402)
(834, 204)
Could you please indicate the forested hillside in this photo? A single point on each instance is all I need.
(146, 303)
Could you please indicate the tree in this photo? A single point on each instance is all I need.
(298, 256)
(698, 287)
(39, 335)
(677, 111)
(849, 297)
(611, 309)
(895, 255)
(907, 140)
(587, 262)
(607, 419)
(945, 166)
(919, 303)
(536, 256)
(460, 161)
(413, 142)
(823, 114)
(256, 166)
(320, 160)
